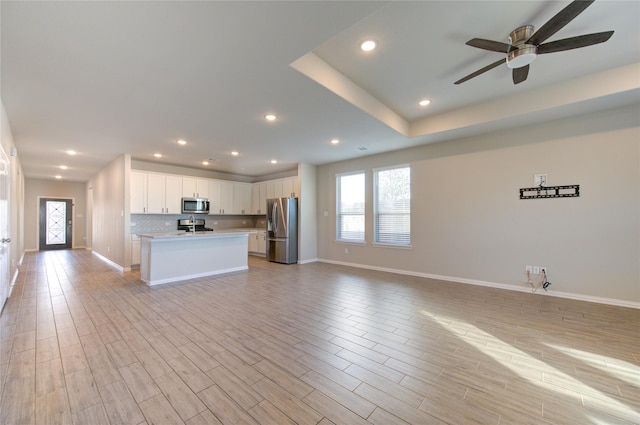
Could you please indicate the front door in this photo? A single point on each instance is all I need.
(55, 223)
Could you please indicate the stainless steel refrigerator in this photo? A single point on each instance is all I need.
(282, 230)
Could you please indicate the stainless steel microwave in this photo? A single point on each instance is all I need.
(195, 206)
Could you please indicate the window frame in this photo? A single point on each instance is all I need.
(339, 214)
(376, 236)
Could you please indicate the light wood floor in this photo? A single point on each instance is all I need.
(316, 344)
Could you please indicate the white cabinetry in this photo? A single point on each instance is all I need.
(221, 197)
(241, 198)
(138, 192)
(271, 189)
(279, 188)
(229, 197)
(172, 192)
(290, 188)
(258, 243)
(195, 188)
(164, 192)
(135, 250)
(155, 193)
(259, 198)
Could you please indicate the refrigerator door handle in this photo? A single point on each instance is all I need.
(274, 217)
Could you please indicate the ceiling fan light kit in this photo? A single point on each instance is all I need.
(525, 44)
(521, 54)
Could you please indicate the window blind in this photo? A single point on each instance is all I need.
(392, 206)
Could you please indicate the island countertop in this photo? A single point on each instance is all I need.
(176, 256)
(208, 233)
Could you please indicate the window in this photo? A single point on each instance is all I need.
(350, 207)
(392, 206)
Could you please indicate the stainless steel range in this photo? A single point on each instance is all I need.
(193, 225)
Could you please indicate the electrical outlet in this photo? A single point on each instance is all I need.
(536, 269)
(540, 179)
(528, 269)
(346, 250)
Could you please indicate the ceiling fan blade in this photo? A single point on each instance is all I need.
(481, 71)
(561, 19)
(493, 46)
(574, 42)
(520, 74)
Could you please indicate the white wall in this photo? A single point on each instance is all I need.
(110, 212)
(17, 195)
(36, 188)
(468, 223)
(307, 214)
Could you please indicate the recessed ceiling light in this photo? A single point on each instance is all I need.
(157, 155)
(182, 142)
(368, 45)
(235, 153)
(58, 177)
(205, 162)
(71, 152)
(424, 102)
(334, 141)
(274, 161)
(63, 167)
(270, 117)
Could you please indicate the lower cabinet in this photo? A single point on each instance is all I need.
(258, 243)
(135, 250)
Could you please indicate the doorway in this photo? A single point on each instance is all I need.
(55, 224)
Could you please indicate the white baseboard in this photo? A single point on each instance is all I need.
(194, 276)
(311, 260)
(106, 260)
(12, 284)
(524, 288)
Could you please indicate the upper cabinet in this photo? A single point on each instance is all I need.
(241, 198)
(138, 192)
(193, 187)
(220, 197)
(259, 198)
(158, 193)
(290, 187)
(155, 193)
(279, 188)
(163, 194)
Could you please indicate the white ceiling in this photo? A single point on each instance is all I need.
(107, 78)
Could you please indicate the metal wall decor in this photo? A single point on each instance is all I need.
(540, 192)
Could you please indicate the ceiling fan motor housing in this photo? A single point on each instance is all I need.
(523, 54)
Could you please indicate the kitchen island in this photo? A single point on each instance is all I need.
(176, 256)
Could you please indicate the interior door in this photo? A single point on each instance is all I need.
(5, 187)
(55, 224)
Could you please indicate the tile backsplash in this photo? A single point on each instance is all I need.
(158, 223)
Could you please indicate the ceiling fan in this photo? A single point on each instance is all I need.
(525, 44)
